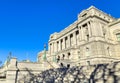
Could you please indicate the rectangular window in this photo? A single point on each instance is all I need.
(118, 36)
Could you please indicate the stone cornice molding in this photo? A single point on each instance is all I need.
(113, 23)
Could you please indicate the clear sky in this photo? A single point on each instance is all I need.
(25, 25)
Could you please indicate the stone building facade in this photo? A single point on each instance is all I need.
(93, 38)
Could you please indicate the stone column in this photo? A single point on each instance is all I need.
(50, 47)
(82, 33)
(63, 43)
(74, 38)
(93, 29)
(89, 29)
(53, 47)
(59, 45)
(69, 41)
(66, 42)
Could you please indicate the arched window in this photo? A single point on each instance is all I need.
(58, 58)
(69, 55)
(63, 56)
(118, 36)
(87, 37)
(87, 51)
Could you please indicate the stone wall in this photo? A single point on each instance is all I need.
(13, 71)
(99, 73)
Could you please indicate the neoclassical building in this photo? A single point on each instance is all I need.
(93, 38)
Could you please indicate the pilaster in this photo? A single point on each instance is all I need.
(89, 29)
(59, 45)
(69, 41)
(63, 45)
(74, 39)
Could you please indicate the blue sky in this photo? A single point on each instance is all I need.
(25, 25)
